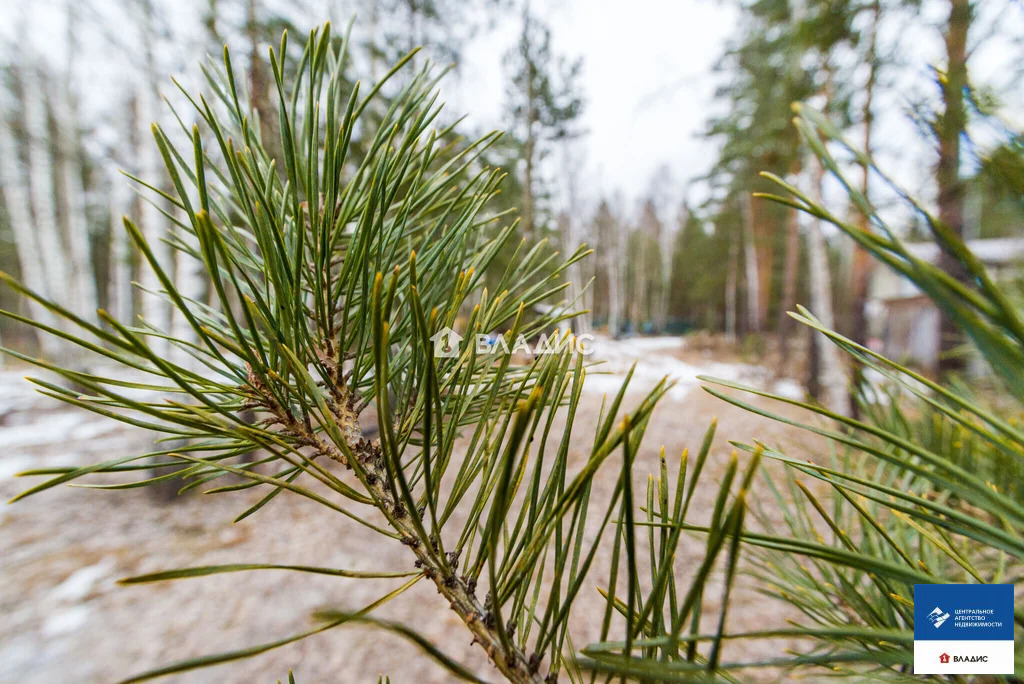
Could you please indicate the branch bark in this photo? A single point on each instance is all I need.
(460, 591)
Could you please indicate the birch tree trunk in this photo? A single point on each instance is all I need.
(831, 378)
(572, 236)
(861, 263)
(119, 289)
(783, 326)
(750, 263)
(571, 239)
(53, 256)
(668, 239)
(610, 263)
(731, 285)
(26, 244)
(615, 286)
(636, 295)
(82, 274)
(191, 284)
(528, 214)
(156, 310)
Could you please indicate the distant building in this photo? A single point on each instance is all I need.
(905, 323)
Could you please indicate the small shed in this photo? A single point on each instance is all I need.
(904, 322)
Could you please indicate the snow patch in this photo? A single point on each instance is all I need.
(51, 427)
(81, 582)
(12, 465)
(617, 356)
(789, 389)
(94, 428)
(65, 621)
(654, 343)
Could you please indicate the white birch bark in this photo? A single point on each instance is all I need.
(571, 240)
(191, 284)
(616, 263)
(119, 291)
(611, 263)
(82, 281)
(731, 286)
(83, 295)
(156, 309)
(614, 289)
(573, 237)
(750, 263)
(834, 391)
(41, 192)
(19, 211)
(668, 239)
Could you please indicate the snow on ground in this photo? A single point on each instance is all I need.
(16, 394)
(29, 420)
(655, 358)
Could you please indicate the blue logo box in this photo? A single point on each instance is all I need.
(963, 612)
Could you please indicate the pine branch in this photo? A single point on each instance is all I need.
(459, 591)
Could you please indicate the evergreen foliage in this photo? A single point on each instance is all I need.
(332, 272)
(903, 499)
(330, 281)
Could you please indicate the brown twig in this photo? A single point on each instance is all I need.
(513, 663)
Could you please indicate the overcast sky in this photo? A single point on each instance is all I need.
(646, 78)
(649, 84)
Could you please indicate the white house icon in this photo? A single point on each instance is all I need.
(446, 343)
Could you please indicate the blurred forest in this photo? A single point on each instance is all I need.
(717, 261)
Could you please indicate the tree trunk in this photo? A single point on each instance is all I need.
(260, 93)
(784, 325)
(84, 300)
(19, 212)
(637, 298)
(156, 310)
(577, 281)
(751, 270)
(572, 237)
(762, 238)
(41, 191)
(527, 215)
(612, 262)
(731, 285)
(119, 289)
(191, 284)
(861, 264)
(668, 238)
(831, 378)
(614, 297)
(950, 127)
